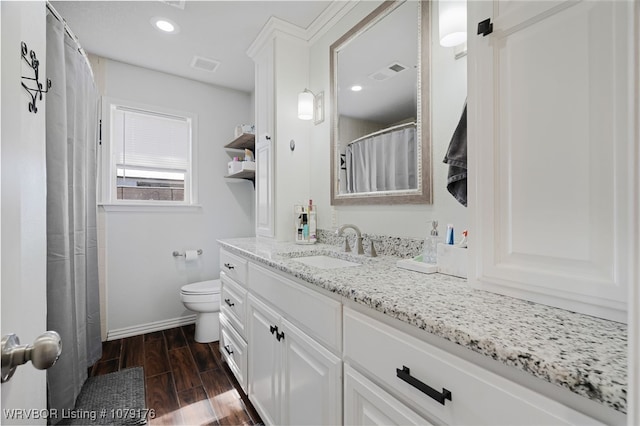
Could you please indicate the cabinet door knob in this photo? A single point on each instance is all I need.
(229, 351)
(228, 302)
(229, 266)
(405, 375)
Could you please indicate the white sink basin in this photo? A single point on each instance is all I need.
(325, 262)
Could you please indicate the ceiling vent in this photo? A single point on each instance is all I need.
(387, 72)
(175, 3)
(204, 64)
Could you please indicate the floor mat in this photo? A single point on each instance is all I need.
(111, 399)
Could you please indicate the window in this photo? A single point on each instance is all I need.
(150, 156)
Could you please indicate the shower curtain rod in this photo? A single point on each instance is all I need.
(59, 17)
(385, 130)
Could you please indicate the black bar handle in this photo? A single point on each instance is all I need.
(226, 348)
(228, 302)
(485, 27)
(273, 329)
(229, 266)
(405, 375)
(280, 335)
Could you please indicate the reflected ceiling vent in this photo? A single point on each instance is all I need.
(175, 3)
(387, 72)
(204, 64)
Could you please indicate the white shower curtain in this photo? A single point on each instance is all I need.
(382, 162)
(73, 307)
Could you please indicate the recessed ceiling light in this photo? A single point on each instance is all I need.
(165, 25)
(356, 88)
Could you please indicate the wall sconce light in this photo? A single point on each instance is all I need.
(311, 106)
(452, 22)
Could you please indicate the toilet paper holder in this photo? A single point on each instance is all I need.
(177, 253)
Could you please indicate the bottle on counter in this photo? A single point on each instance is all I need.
(430, 248)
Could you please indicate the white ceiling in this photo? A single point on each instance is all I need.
(219, 30)
(391, 40)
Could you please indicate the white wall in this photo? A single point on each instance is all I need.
(448, 89)
(291, 167)
(142, 278)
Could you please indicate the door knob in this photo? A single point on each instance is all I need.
(43, 353)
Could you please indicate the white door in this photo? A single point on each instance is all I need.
(312, 381)
(23, 207)
(264, 154)
(550, 137)
(264, 187)
(264, 361)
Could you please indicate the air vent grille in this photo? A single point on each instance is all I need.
(387, 72)
(175, 3)
(204, 64)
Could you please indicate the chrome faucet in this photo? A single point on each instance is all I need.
(340, 231)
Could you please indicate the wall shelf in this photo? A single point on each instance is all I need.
(244, 174)
(244, 141)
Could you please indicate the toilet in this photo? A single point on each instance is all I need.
(204, 299)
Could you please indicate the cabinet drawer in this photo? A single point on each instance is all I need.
(477, 396)
(232, 302)
(314, 313)
(234, 266)
(365, 403)
(234, 350)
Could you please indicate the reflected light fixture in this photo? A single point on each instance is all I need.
(452, 22)
(356, 88)
(311, 106)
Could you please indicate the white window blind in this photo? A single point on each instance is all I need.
(150, 155)
(152, 141)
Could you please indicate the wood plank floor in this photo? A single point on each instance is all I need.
(186, 383)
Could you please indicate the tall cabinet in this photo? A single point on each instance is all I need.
(551, 148)
(264, 104)
(281, 72)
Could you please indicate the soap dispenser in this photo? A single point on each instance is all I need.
(430, 249)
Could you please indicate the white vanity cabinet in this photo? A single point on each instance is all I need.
(293, 379)
(550, 117)
(233, 298)
(438, 385)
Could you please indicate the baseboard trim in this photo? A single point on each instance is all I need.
(137, 330)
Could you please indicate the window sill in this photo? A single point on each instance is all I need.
(151, 208)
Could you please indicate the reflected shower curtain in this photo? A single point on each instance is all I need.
(382, 162)
(73, 307)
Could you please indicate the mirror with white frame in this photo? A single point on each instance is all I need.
(380, 117)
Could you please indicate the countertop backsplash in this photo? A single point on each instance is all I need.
(401, 247)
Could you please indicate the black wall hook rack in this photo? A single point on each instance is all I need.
(34, 63)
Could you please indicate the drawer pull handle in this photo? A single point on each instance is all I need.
(273, 329)
(228, 302)
(229, 266)
(229, 351)
(280, 335)
(405, 375)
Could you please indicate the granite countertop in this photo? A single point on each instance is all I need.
(584, 354)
